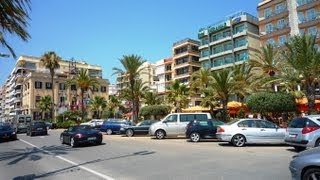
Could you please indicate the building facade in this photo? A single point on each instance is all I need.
(30, 80)
(230, 41)
(160, 75)
(280, 19)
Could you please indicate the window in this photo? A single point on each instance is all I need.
(62, 99)
(270, 41)
(279, 8)
(201, 117)
(281, 23)
(311, 14)
(266, 124)
(172, 118)
(267, 12)
(312, 31)
(181, 60)
(205, 123)
(240, 42)
(62, 86)
(182, 70)
(298, 123)
(48, 85)
(38, 85)
(195, 59)
(103, 89)
(282, 40)
(73, 87)
(301, 17)
(95, 89)
(301, 31)
(269, 28)
(247, 123)
(239, 28)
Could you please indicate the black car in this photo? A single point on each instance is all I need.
(82, 134)
(37, 128)
(197, 130)
(7, 132)
(142, 128)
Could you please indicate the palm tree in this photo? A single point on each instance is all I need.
(210, 99)
(224, 85)
(201, 79)
(151, 98)
(177, 95)
(98, 104)
(13, 19)
(45, 104)
(244, 80)
(85, 82)
(51, 61)
(114, 102)
(302, 56)
(132, 68)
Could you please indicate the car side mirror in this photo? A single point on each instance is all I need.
(164, 121)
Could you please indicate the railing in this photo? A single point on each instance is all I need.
(303, 2)
(276, 12)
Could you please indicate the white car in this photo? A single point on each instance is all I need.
(253, 131)
(93, 123)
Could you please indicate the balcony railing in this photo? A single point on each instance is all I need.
(303, 2)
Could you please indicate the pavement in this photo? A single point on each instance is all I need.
(139, 158)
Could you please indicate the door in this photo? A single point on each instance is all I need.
(271, 133)
(207, 130)
(184, 119)
(250, 130)
(171, 125)
(142, 128)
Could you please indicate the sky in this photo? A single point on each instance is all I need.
(100, 32)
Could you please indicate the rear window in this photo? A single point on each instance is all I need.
(38, 124)
(302, 123)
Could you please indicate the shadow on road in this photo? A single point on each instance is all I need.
(33, 154)
(77, 167)
(255, 145)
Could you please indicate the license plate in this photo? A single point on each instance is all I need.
(39, 128)
(91, 138)
(292, 135)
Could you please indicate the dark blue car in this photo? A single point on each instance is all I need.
(7, 132)
(197, 130)
(113, 126)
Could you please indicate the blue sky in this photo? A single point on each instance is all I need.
(102, 31)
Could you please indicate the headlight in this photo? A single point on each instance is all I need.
(121, 128)
(13, 132)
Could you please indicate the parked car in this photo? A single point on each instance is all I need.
(255, 131)
(175, 124)
(303, 132)
(7, 132)
(197, 130)
(83, 134)
(49, 125)
(37, 128)
(142, 128)
(95, 123)
(113, 126)
(306, 165)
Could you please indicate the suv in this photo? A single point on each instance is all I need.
(175, 124)
(197, 130)
(304, 132)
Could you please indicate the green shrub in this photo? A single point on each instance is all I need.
(65, 124)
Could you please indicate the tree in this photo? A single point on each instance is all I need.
(201, 79)
(13, 20)
(151, 98)
(45, 104)
(98, 104)
(224, 85)
(132, 68)
(113, 104)
(51, 61)
(177, 95)
(85, 82)
(271, 102)
(244, 80)
(302, 56)
(210, 99)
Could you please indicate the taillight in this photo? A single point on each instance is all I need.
(78, 136)
(220, 129)
(307, 130)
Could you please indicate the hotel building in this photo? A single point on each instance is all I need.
(230, 41)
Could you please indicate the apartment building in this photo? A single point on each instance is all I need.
(2, 103)
(113, 90)
(280, 19)
(29, 81)
(160, 75)
(168, 72)
(230, 41)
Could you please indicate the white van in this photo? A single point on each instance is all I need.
(175, 124)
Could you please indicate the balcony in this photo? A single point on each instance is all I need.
(17, 92)
(303, 5)
(311, 21)
(275, 31)
(17, 100)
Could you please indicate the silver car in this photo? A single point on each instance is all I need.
(255, 131)
(306, 165)
(304, 132)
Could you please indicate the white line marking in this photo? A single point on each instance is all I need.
(71, 162)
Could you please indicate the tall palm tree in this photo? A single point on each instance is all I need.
(177, 95)
(244, 80)
(45, 104)
(113, 104)
(224, 85)
(98, 104)
(51, 60)
(132, 68)
(14, 18)
(85, 82)
(302, 55)
(200, 80)
(210, 99)
(151, 98)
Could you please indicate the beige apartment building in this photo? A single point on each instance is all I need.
(33, 81)
(280, 19)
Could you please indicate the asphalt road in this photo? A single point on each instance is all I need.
(139, 158)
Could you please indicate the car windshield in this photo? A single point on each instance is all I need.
(83, 127)
(4, 127)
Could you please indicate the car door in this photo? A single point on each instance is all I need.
(249, 129)
(171, 125)
(207, 130)
(271, 132)
(141, 127)
(67, 134)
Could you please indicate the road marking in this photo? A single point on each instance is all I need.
(71, 162)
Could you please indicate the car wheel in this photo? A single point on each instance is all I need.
(31, 134)
(109, 131)
(160, 134)
(99, 142)
(311, 173)
(129, 132)
(195, 137)
(299, 148)
(72, 142)
(61, 139)
(317, 143)
(238, 140)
